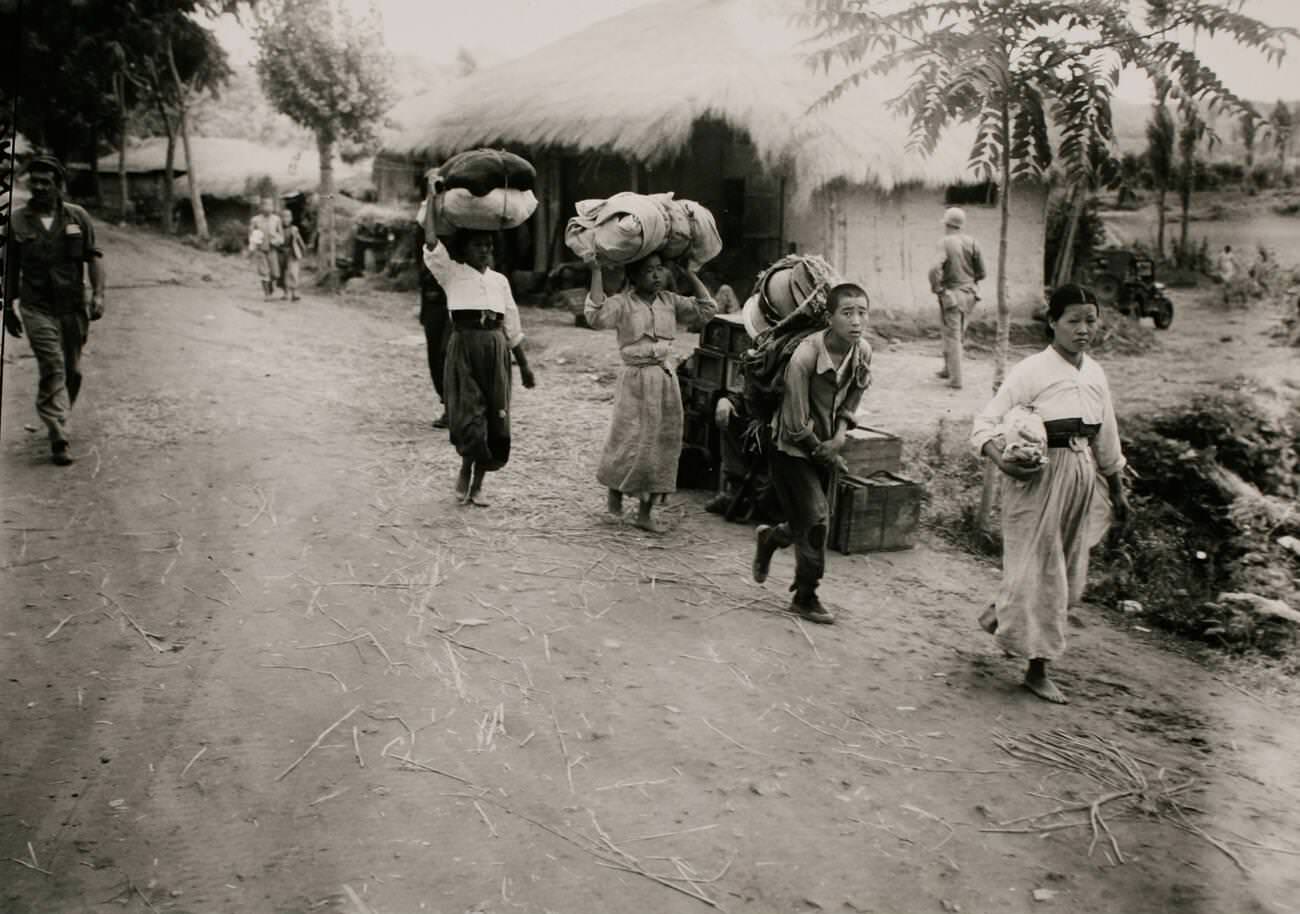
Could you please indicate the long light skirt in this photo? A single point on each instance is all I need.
(1046, 534)
(645, 434)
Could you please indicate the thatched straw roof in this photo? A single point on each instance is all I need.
(226, 166)
(636, 83)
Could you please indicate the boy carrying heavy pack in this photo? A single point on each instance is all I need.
(824, 382)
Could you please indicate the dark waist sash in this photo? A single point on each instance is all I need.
(1061, 432)
(473, 319)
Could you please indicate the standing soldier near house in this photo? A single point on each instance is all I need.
(50, 249)
(954, 279)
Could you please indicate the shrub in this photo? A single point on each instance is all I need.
(230, 238)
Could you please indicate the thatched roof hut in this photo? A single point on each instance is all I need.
(636, 84)
(715, 99)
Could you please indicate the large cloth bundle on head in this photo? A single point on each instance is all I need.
(790, 304)
(630, 226)
(486, 190)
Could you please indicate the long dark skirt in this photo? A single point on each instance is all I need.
(477, 391)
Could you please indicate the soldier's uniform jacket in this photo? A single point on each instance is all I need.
(52, 261)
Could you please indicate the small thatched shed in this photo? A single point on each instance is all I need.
(711, 99)
(232, 173)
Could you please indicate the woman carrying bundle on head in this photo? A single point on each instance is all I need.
(1048, 498)
(645, 433)
(485, 331)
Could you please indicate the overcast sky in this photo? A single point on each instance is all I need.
(500, 29)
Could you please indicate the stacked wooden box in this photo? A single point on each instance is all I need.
(873, 507)
(712, 370)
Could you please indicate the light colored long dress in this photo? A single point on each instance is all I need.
(1049, 521)
(645, 432)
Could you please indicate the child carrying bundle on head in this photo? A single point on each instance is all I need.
(645, 432)
(485, 332)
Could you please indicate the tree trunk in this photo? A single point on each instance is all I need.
(169, 183)
(989, 487)
(169, 175)
(1065, 256)
(1185, 201)
(182, 124)
(325, 223)
(92, 153)
(123, 189)
(196, 197)
(1004, 305)
(1160, 221)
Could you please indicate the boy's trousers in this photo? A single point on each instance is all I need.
(801, 487)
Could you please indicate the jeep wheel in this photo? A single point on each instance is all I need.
(1163, 312)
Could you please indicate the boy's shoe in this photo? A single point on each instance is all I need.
(808, 606)
(718, 504)
(764, 549)
(441, 421)
(59, 454)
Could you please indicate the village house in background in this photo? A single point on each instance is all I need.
(710, 99)
(233, 173)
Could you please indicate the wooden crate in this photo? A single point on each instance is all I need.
(725, 334)
(710, 367)
(879, 513)
(872, 450)
(734, 377)
(699, 396)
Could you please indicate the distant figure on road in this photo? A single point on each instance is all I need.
(293, 251)
(52, 250)
(953, 279)
(1227, 265)
(265, 237)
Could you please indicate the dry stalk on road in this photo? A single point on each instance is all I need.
(1123, 778)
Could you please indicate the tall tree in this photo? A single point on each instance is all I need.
(1190, 132)
(1248, 130)
(1161, 136)
(327, 70)
(1283, 128)
(1010, 66)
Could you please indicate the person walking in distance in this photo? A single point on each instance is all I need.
(293, 252)
(50, 251)
(265, 240)
(954, 279)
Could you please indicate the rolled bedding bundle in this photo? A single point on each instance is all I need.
(502, 208)
(486, 190)
(629, 226)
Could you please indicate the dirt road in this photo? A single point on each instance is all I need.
(257, 659)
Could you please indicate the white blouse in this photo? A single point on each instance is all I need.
(469, 290)
(1055, 389)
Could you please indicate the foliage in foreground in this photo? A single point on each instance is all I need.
(1216, 489)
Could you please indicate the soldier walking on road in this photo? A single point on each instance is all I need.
(50, 249)
(954, 279)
